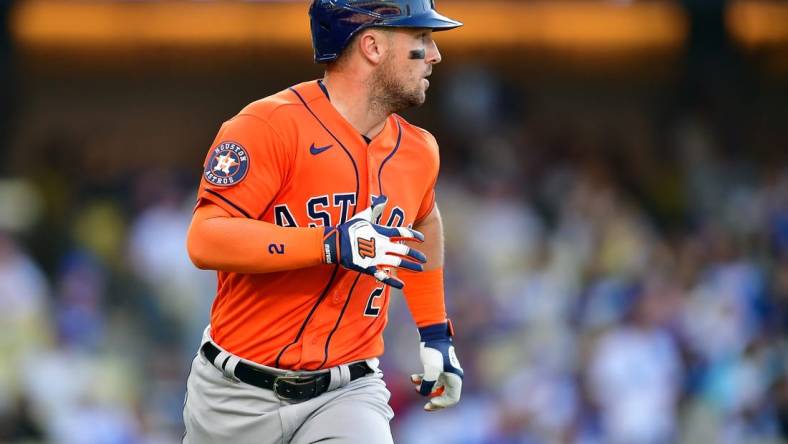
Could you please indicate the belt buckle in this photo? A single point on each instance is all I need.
(293, 380)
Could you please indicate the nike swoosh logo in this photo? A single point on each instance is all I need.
(318, 149)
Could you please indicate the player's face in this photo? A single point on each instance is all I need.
(402, 77)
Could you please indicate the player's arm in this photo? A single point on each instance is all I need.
(424, 294)
(218, 241)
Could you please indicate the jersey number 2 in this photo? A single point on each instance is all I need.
(372, 310)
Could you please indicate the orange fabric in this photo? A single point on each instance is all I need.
(427, 205)
(295, 161)
(424, 296)
(268, 161)
(220, 242)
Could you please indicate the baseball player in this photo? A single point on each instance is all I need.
(311, 206)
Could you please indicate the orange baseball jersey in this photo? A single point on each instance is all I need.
(291, 159)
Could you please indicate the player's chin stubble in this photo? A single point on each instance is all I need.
(391, 93)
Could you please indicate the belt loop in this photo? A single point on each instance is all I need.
(340, 377)
(218, 361)
(229, 369)
(335, 380)
(222, 360)
(344, 372)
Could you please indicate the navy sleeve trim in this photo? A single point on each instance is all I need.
(228, 202)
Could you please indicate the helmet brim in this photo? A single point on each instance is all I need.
(431, 20)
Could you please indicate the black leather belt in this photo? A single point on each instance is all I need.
(285, 387)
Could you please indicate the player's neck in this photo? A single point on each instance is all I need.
(351, 98)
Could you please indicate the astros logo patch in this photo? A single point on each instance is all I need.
(228, 164)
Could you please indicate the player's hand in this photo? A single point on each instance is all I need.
(364, 246)
(442, 377)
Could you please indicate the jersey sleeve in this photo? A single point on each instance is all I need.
(427, 204)
(245, 167)
(428, 200)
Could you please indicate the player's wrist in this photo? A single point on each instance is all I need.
(442, 331)
(329, 245)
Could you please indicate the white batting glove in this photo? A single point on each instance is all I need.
(442, 377)
(364, 246)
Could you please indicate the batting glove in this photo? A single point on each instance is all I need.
(442, 377)
(364, 246)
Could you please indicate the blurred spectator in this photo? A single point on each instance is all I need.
(156, 246)
(78, 314)
(7, 75)
(24, 299)
(24, 295)
(635, 374)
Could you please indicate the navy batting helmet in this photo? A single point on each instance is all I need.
(335, 22)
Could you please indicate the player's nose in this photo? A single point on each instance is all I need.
(433, 54)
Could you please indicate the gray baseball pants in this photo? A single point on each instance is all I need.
(219, 410)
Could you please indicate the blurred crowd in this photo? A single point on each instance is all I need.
(615, 274)
(596, 302)
(97, 335)
(635, 293)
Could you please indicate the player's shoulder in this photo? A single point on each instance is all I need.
(417, 133)
(281, 113)
(275, 106)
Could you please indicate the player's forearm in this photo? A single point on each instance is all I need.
(424, 291)
(219, 242)
(432, 247)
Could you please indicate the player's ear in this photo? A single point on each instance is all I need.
(373, 44)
